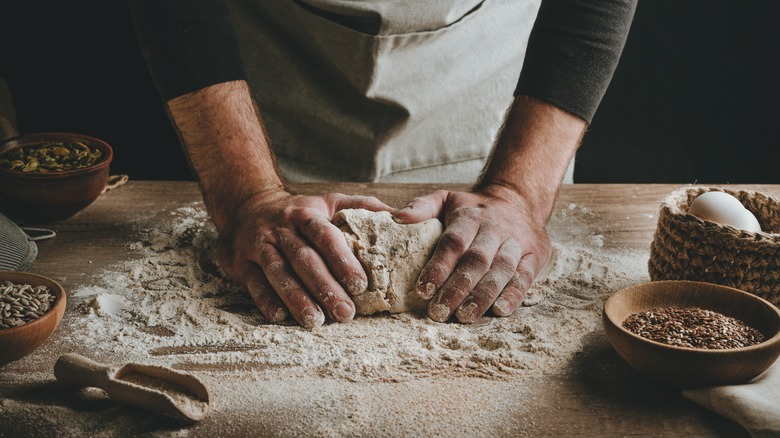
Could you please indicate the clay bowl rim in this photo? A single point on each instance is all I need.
(771, 342)
(38, 138)
(53, 312)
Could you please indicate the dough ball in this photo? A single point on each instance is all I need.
(392, 255)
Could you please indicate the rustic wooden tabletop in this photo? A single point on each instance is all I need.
(597, 394)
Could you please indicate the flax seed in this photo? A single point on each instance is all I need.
(692, 327)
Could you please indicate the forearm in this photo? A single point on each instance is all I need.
(532, 153)
(225, 141)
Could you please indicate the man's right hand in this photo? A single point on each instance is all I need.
(281, 246)
(290, 257)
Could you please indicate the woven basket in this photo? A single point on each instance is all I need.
(688, 248)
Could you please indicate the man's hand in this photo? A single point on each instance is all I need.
(494, 242)
(290, 257)
(282, 247)
(487, 257)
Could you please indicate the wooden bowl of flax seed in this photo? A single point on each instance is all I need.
(51, 176)
(31, 308)
(688, 334)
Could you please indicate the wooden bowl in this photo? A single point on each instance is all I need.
(684, 367)
(55, 195)
(19, 341)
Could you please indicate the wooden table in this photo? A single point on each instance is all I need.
(599, 395)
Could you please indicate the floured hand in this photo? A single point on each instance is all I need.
(290, 257)
(487, 257)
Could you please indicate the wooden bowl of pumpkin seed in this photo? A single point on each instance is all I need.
(46, 177)
(31, 308)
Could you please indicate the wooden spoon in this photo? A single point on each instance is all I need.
(156, 388)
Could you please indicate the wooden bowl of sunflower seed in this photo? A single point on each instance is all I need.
(688, 334)
(31, 308)
(51, 176)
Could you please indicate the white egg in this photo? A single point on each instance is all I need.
(724, 209)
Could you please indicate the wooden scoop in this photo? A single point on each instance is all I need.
(157, 388)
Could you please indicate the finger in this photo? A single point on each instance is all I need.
(515, 291)
(332, 247)
(490, 286)
(271, 307)
(314, 274)
(422, 208)
(281, 276)
(454, 241)
(342, 202)
(471, 268)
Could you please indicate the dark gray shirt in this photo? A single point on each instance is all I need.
(572, 52)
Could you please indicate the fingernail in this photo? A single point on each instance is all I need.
(501, 307)
(439, 312)
(279, 315)
(343, 312)
(426, 290)
(467, 313)
(356, 286)
(311, 317)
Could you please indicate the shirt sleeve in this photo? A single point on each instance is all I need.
(187, 44)
(573, 51)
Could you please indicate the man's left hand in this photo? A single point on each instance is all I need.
(488, 255)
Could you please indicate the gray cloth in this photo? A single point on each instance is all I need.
(17, 251)
(755, 405)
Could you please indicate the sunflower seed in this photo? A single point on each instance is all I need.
(22, 303)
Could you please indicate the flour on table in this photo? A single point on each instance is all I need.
(391, 254)
(178, 310)
(106, 304)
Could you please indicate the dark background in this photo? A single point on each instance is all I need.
(695, 97)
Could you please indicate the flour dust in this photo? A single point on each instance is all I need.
(171, 306)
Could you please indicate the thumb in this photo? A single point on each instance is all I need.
(422, 208)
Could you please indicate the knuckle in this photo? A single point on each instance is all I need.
(368, 201)
(322, 233)
(441, 193)
(476, 258)
(524, 278)
(417, 200)
(262, 237)
(335, 198)
(274, 268)
(290, 210)
(452, 295)
(358, 198)
(301, 253)
(490, 284)
(512, 246)
(268, 255)
(468, 212)
(504, 262)
(308, 215)
(453, 242)
(310, 221)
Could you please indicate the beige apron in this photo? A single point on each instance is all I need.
(383, 90)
